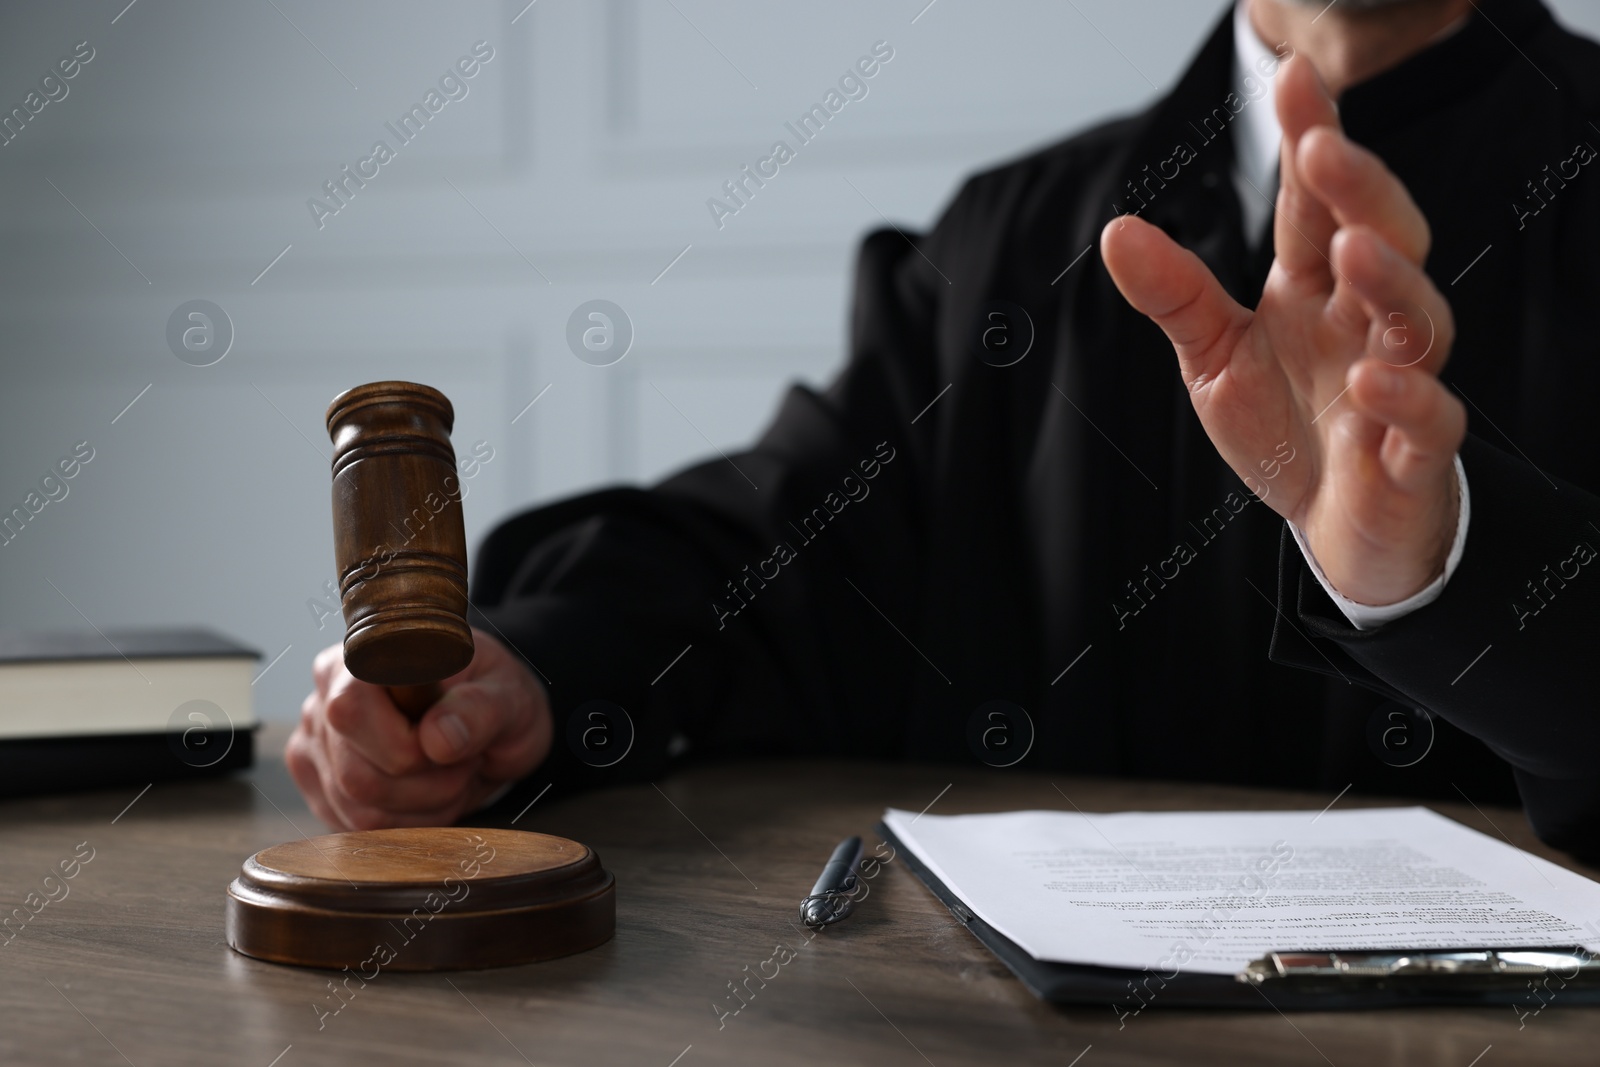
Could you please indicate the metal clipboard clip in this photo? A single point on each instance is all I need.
(1482, 968)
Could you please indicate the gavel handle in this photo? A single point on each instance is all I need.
(414, 700)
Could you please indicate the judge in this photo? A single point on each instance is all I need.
(1248, 439)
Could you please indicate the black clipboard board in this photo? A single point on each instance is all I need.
(1131, 991)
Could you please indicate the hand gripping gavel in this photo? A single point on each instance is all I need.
(399, 542)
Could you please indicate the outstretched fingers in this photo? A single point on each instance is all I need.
(1424, 422)
(1303, 226)
(1407, 321)
(1360, 190)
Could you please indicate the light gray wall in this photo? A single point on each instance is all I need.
(578, 165)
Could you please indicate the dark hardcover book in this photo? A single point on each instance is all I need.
(105, 710)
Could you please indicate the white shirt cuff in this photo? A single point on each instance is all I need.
(1370, 617)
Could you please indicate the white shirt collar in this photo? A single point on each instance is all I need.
(1256, 133)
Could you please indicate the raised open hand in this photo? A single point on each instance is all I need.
(1340, 359)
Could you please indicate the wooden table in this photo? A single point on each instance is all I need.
(130, 965)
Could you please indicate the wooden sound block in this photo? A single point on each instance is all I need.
(423, 899)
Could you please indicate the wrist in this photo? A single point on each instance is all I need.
(1379, 572)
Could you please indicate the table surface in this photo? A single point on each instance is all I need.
(130, 965)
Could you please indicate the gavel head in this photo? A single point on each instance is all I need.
(399, 541)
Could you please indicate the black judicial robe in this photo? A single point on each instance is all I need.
(934, 531)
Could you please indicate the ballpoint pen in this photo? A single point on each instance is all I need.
(833, 897)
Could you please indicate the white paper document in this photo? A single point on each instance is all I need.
(1209, 892)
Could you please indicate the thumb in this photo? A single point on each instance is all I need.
(1177, 291)
(468, 718)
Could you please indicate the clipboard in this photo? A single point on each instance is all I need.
(1529, 980)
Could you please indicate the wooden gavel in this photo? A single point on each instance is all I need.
(399, 541)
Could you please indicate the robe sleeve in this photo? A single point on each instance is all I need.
(1507, 651)
(716, 609)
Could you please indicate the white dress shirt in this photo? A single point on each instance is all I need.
(1256, 137)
